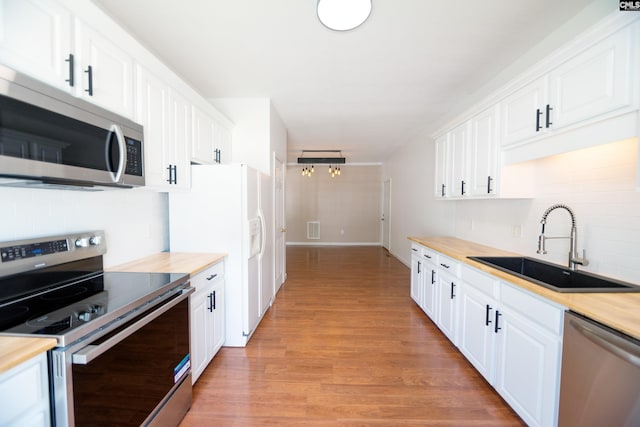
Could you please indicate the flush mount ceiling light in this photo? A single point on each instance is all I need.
(343, 15)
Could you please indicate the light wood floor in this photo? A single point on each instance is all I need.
(344, 345)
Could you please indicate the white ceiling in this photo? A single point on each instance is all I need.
(365, 91)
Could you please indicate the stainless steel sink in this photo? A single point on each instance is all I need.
(555, 277)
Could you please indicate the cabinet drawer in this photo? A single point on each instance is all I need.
(416, 249)
(429, 256)
(449, 264)
(484, 283)
(205, 277)
(542, 312)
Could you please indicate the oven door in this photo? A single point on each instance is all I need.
(138, 374)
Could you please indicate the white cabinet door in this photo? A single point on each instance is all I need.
(200, 329)
(483, 153)
(528, 368)
(207, 317)
(166, 117)
(523, 113)
(458, 145)
(24, 394)
(35, 38)
(152, 111)
(477, 335)
(203, 142)
(447, 294)
(429, 288)
(224, 144)
(218, 335)
(593, 83)
(416, 276)
(178, 151)
(106, 71)
(441, 188)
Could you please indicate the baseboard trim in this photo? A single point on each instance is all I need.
(334, 244)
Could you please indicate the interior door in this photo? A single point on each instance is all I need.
(386, 201)
(281, 228)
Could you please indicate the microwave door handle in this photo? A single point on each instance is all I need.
(90, 352)
(122, 152)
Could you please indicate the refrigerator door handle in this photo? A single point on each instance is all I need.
(262, 233)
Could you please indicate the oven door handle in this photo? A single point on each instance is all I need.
(90, 352)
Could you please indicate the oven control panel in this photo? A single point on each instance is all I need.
(20, 256)
(12, 253)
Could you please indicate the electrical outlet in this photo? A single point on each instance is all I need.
(516, 231)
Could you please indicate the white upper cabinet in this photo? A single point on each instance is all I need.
(593, 83)
(523, 112)
(458, 143)
(106, 71)
(483, 155)
(211, 139)
(583, 94)
(203, 143)
(441, 188)
(165, 116)
(44, 40)
(35, 38)
(467, 158)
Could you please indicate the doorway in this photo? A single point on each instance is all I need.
(385, 219)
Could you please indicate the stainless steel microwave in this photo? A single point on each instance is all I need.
(50, 138)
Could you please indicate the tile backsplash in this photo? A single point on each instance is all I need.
(598, 184)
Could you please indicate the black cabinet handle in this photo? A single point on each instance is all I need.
(538, 114)
(433, 276)
(173, 175)
(444, 265)
(443, 190)
(70, 60)
(89, 72)
(213, 276)
(549, 115)
(210, 308)
(414, 249)
(463, 188)
(489, 189)
(427, 256)
(486, 318)
(453, 286)
(418, 267)
(216, 155)
(496, 327)
(214, 300)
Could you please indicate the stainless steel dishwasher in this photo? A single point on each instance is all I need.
(600, 380)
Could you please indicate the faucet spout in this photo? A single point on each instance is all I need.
(574, 259)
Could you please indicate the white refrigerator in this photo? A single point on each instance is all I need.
(225, 212)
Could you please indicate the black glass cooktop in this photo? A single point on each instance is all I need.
(61, 303)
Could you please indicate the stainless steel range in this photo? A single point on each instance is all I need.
(122, 355)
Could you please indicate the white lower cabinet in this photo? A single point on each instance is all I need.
(514, 339)
(423, 279)
(447, 296)
(207, 317)
(511, 336)
(24, 394)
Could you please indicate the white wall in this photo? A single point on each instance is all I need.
(413, 209)
(135, 221)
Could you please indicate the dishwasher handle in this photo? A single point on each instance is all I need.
(90, 352)
(614, 344)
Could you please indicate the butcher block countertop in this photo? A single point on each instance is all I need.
(619, 311)
(171, 262)
(16, 350)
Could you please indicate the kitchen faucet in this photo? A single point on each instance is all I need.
(574, 259)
